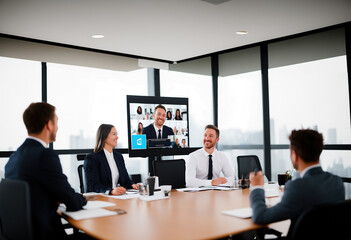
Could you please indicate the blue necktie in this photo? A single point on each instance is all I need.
(209, 167)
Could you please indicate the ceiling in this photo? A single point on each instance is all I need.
(171, 30)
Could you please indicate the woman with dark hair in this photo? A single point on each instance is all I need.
(169, 115)
(177, 116)
(105, 171)
(140, 115)
(140, 128)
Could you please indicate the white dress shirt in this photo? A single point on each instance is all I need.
(113, 167)
(197, 168)
(156, 130)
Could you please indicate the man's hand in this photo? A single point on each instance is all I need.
(135, 186)
(118, 191)
(218, 181)
(256, 179)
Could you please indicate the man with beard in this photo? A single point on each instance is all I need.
(40, 167)
(205, 166)
(313, 188)
(157, 130)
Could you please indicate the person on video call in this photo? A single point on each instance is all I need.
(204, 166)
(158, 130)
(177, 116)
(314, 187)
(140, 116)
(169, 115)
(38, 165)
(140, 128)
(105, 170)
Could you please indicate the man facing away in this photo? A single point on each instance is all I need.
(158, 130)
(40, 166)
(313, 188)
(204, 166)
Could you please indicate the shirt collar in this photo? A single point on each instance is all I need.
(156, 128)
(39, 140)
(308, 168)
(107, 153)
(206, 153)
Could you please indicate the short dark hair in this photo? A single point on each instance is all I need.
(37, 115)
(307, 143)
(210, 126)
(160, 106)
(101, 135)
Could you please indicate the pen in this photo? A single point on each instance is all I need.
(255, 171)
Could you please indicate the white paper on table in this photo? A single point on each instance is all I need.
(193, 189)
(240, 212)
(91, 194)
(97, 204)
(125, 196)
(91, 213)
(225, 188)
(153, 197)
(271, 190)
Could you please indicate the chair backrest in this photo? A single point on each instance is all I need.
(247, 164)
(82, 183)
(329, 221)
(15, 210)
(81, 178)
(170, 172)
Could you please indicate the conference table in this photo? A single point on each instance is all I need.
(184, 215)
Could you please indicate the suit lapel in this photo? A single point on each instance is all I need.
(104, 165)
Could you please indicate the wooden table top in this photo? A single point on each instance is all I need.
(185, 215)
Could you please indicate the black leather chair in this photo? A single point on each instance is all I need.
(170, 172)
(82, 184)
(329, 221)
(247, 164)
(15, 210)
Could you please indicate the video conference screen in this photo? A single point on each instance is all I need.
(143, 123)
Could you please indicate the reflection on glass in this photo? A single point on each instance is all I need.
(198, 88)
(87, 97)
(310, 95)
(20, 85)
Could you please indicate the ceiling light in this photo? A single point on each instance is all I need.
(242, 32)
(97, 36)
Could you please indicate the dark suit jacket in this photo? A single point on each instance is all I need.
(41, 168)
(151, 134)
(98, 173)
(316, 187)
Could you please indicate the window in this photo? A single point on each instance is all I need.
(87, 97)
(20, 85)
(240, 104)
(308, 88)
(196, 87)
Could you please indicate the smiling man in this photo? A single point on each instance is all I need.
(207, 166)
(158, 130)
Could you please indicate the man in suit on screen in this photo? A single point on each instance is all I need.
(158, 130)
(40, 167)
(314, 187)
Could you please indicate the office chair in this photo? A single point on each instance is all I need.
(82, 184)
(247, 164)
(327, 221)
(15, 210)
(170, 172)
